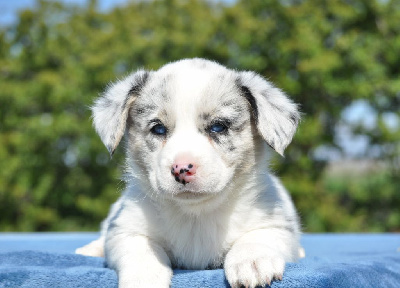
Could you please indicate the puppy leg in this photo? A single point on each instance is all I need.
(259, 257)
(96, 247)
(139, 262)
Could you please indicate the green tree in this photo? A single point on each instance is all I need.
(326, 57)
(55, 173)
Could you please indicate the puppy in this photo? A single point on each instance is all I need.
(199, 194)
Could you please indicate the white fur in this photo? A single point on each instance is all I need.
(235, 214)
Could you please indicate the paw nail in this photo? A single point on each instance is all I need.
(268, 281)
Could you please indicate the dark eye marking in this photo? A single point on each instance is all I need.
(158, 128)
(219, 126)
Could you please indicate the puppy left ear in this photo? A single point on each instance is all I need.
(275, 114)
(110, 111)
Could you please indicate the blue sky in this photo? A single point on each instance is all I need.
(9, 8)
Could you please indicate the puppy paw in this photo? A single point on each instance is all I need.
(94, 248)
(156, 276)
(252, 265)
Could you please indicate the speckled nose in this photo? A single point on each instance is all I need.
(183, 172)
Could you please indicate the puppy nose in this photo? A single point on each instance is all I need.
(183, 172)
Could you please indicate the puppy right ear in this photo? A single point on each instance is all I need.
(275, 114)
(110, 111)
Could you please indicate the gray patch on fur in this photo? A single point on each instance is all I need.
(151, 144)
(144, 109)
(249, 97)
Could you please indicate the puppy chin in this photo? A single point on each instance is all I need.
(192, 190)
(195, 192)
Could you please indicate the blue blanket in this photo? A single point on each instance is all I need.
(332, 260)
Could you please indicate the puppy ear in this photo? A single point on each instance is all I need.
(276, 115)
(110, 110)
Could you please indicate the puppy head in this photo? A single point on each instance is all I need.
(190, 125)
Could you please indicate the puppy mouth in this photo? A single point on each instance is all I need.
(192, 195)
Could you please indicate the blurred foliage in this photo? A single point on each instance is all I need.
(55, 173)
(355, 201)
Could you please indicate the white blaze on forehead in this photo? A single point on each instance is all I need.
(188, 94)
(191, 82)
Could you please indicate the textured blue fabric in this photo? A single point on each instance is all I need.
(332, 260)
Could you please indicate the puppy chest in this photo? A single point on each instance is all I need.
(195, 244)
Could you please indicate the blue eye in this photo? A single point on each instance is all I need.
(159, 129)
(217, 128)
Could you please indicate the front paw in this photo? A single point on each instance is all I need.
(94, 248)
(253, 265)
(146, 277)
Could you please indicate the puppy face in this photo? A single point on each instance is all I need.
(190, 130)
(191, 125)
